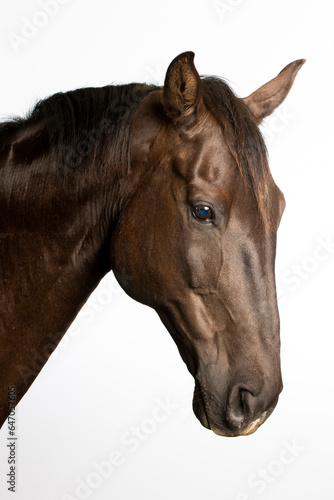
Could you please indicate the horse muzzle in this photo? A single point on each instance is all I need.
(239, 412)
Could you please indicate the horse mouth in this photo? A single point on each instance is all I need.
(200, 408)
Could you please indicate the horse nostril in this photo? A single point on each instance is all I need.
(247, 408)
(240, 407)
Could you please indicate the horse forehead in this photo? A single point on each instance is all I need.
(205, 156)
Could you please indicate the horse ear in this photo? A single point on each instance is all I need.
(182, 90)
(264, 100)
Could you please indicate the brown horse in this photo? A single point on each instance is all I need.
(170, 188)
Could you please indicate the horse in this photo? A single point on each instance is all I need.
(169, 187)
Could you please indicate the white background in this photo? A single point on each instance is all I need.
(117, 362)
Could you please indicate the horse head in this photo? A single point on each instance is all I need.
(196, 238)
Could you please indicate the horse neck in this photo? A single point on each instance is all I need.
(65, 174)
(56, 223)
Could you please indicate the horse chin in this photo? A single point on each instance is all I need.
(202, 416)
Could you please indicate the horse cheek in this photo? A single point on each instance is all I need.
(205, 260)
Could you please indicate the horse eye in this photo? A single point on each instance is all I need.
(203, 212)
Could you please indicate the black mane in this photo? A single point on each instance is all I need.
(76, 125)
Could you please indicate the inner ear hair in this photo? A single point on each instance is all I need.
(182, 88)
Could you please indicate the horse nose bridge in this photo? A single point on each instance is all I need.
(240, 353)
(248, 277)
